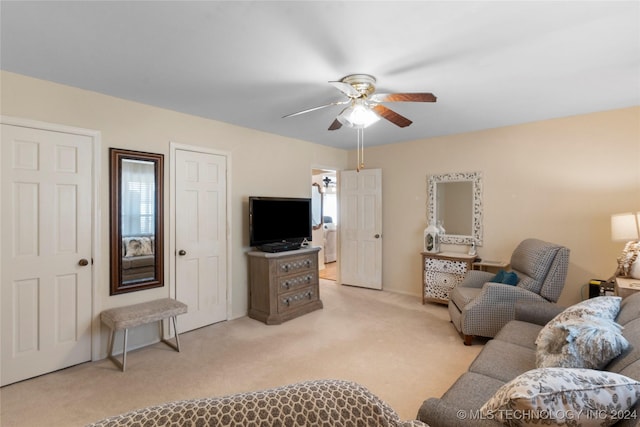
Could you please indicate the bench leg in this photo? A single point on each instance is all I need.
(122, 365)
(175, 346)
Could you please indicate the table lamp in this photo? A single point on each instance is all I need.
(626, 227)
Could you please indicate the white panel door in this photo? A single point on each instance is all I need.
(361, 228)
(201, 238)
(46, 232)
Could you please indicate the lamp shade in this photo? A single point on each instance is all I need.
(624, 226)
(358, 115)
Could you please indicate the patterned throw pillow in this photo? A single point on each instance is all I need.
(564, 396)
(136, 246)
(572, 337)
(587, 342)
(606, 307)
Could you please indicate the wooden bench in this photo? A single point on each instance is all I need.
(140, 314)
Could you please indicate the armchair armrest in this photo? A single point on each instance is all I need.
(476, 279)
(539, 313)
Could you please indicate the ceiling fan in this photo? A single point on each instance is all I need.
(365, 106)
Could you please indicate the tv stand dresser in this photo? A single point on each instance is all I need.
(283, 285)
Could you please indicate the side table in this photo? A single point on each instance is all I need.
(625, 286)
(442, 272)
(490, 265)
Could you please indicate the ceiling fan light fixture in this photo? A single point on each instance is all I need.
(358, 115)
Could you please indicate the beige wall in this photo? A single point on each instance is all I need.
(261, 163)
(557, 180)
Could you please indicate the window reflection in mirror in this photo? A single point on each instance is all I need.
(136, 221)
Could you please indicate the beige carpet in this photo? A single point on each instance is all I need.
(401, 350)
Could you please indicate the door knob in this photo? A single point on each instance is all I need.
(83, 262)
(182, 252)
(377, 236)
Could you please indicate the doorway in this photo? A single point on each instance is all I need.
(327, 235)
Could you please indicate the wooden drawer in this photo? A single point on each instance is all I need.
(290, 283)
(445, 266)
(295, 264)
(293, 300)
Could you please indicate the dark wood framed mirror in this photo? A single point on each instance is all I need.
(136, 208)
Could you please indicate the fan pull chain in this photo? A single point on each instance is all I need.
(360, 149)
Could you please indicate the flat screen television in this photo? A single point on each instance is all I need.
(279, 219)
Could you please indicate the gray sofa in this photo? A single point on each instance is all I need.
(513, 352)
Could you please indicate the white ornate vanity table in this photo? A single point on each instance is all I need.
(442, 272)
(455, 202)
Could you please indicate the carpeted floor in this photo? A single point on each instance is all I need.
(403, 351)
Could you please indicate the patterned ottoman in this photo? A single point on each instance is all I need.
(326, 403)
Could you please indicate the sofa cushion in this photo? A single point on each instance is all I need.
(471, 390)
(631, 332)
(578, 396)
(519, 333)
(586, 342)
(520, 359)
(629, 309)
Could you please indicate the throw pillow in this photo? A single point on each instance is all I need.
(587, 342)
(510, 278)
(563, 396)
(498, 277)
(604, 307)
(136, 246)
(505, 277)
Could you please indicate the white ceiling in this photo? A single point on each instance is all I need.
(490, 63)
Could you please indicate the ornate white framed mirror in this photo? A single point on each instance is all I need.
(455, 202)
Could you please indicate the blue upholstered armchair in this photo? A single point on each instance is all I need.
(481, 308)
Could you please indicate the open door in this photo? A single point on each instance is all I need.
(361, 228)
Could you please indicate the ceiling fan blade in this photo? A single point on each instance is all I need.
(347, 89)
(335, 125)
(317, 108)
(392, 116)
(403, 97)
